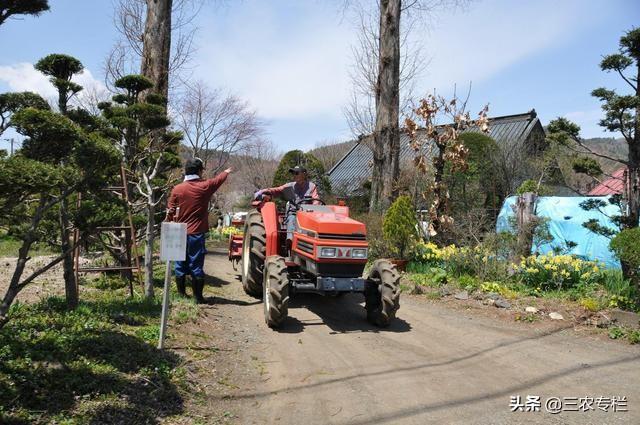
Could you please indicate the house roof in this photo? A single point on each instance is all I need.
(354, 168)
(611, 186)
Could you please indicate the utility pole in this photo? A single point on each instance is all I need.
(11, 140)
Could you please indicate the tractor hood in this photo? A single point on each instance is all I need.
(327, 220)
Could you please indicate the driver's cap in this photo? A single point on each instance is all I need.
(297, 169)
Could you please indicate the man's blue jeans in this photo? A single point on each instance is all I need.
(194, 263)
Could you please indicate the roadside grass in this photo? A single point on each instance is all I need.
(611, 291)
(95, 364)
(9, 247)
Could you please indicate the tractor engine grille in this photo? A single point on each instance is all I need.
(352, 237)
(305, 246)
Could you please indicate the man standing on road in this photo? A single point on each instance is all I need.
(189, 203)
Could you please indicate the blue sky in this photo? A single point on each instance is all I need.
(291, 59)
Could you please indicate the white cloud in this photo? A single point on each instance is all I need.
(479, 43)
(286, 66)
(24, 77)
(295, 63)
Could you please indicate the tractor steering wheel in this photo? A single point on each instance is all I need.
(307, 200)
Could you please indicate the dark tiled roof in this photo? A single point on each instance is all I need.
(348, 175)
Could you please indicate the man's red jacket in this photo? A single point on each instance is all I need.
(189, 202)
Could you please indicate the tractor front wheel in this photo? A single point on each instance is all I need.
(253, 253)
(382, 293)
(275, 291)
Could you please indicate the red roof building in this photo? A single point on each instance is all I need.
(612, 186)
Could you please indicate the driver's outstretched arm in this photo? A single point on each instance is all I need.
(274, 191)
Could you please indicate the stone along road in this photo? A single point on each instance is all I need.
(435, 364)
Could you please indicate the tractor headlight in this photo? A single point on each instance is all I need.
(360, 253)
(327, 252)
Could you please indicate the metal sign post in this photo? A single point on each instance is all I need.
(173, 247)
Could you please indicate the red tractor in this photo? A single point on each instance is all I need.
(326, 254)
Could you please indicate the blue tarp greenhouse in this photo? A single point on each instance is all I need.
(565, 224)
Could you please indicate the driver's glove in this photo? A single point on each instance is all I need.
(258, 194)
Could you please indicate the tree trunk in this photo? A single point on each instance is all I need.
(526, 221)
(156, 55)
(14, 289)
(157, 45)
(634, 165)
(386, 161)
(148, 250)
(70, 286)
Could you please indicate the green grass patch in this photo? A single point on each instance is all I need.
(95, 364)
(9, 247)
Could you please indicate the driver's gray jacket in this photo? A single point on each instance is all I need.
(294, 192)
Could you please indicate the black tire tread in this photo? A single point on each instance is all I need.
(256, 235)
(276, 270)
(382, 293)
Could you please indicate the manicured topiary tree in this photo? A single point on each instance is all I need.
(136, 115)
(399, 225)
(10, 8)
(35, 182)
(11, 103)
(313, 165)
(60, 69)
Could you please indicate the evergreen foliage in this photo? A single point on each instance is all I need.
(399, 225)
(314, 168)
(626, 246)
(61, 68)
(11, 103)
(10, 8)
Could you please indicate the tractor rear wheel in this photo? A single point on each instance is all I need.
(275, 291)
(382, 293)
(253, 253)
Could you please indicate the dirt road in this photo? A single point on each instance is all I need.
(433, 365)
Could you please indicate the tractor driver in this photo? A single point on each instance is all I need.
(294, 192)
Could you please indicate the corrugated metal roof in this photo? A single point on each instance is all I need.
(348, 175)
(611, 186)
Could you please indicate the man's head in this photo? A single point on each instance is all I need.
(193, 166)
(299, 173)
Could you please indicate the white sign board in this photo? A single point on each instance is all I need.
(173, 241)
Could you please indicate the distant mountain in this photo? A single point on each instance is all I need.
(610, 146)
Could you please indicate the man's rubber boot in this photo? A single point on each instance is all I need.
(181, 284)
(198, 287)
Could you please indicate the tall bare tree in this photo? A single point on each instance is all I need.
(386, 135)
(130, 19)
(156, 45)
(216, 125)
(360, 112)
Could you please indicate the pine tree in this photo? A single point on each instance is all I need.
(10, 8)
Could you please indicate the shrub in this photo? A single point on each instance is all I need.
(557, 271)
(399, 225)
(590, 304)
(626, 246)
(498, 289)
(478, 261)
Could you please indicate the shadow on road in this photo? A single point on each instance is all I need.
(220, 300)
(342, 315)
